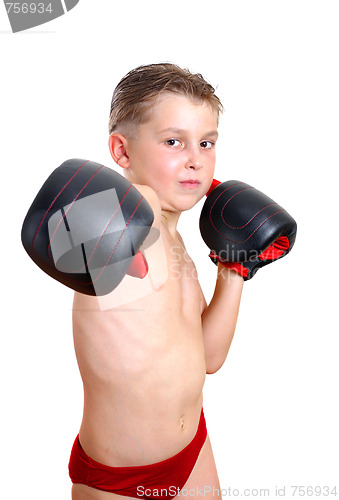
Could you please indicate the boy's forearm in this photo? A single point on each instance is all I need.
(220, 318)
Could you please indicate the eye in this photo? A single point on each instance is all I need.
(173, 142)
(207, 144)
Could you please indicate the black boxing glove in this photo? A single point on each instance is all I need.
(85, 227)
(244, 228)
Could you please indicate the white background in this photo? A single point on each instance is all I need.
(272, 410)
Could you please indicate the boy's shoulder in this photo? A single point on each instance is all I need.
(153, 199)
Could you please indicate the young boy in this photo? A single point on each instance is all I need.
(143, 364)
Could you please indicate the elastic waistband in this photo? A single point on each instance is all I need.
(198, 439)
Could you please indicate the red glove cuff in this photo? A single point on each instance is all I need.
(138, 268)
(214, 184)
(276, 250)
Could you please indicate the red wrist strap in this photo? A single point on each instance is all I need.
(235, 266)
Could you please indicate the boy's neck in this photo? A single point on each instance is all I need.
(170, 221)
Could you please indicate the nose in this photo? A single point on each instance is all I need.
(193, 161)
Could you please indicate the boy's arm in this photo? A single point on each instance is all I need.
(220, 317)
(245, 230)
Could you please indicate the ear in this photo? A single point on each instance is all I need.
(117, 144)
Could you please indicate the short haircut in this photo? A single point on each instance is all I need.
(135, 94)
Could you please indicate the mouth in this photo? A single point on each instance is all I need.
(190, 184)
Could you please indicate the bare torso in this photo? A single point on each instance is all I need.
(143, 367)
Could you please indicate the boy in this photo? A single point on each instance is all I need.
(143, 364)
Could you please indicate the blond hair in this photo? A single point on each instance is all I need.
(134, 95)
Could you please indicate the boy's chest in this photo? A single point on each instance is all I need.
(164, 325)
(182, 283)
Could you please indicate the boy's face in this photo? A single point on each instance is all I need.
(174, 152)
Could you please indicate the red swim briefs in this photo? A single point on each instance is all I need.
(161, 480)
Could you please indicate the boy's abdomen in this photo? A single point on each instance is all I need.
(142, 388)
